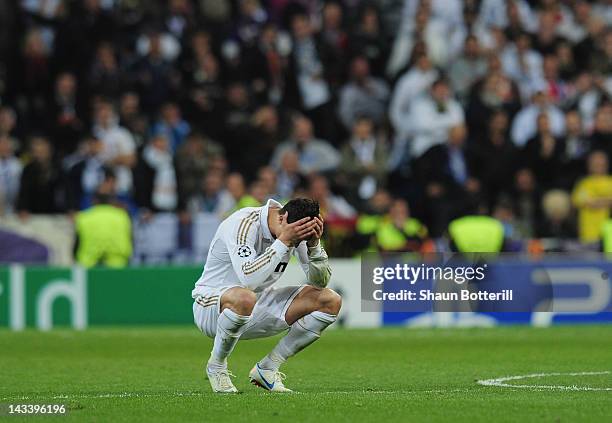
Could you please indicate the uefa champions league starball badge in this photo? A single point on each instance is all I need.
(244, 251)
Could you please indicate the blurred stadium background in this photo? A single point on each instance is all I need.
(129, 129)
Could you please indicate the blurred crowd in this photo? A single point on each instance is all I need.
(398, 116)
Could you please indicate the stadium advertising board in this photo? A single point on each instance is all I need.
(43, 297)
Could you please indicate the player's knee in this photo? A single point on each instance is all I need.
(242, 301)
(329, 301)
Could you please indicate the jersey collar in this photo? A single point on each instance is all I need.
(263, 216)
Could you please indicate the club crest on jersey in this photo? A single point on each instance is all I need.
(244, 251)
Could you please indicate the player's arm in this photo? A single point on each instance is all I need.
(313, 258)
(252, 269)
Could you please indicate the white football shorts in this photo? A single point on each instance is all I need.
(267, 319)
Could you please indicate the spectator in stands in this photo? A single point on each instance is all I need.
(308, 86)
(193, 159)
(495, 158)
(370, 39)
(493, 92)
(333, 207)
(335, 38)
(467, 68)
(410, 87)
(363, 96)
(601, 138)
(180, 18)
(155, 183)
(288, 176)
(234, 196)
(601, 61)
(8, 122)
(522, 63)
(40, 181)
(369, 221)
(525, 124)
(586, 47)
(267, 64)
(526, 198)
(363, 167)
(258, 193)
(398, 231)
(557, 88)
(267, 176)
(592, 196)
(546, 38)
(33, 79)
(132, 118)
(66, 115)
(587, 94)
(315, 155)
(557, 216)
(85, 171)
(208, 198)
(256, 145)
(446, 172)
(106, 77)
(432, 116)
(476, 233)
(543, 154)
(10, 174)
(104, 232)
(577, 146)
(237, 112)
(205, 93)
(171, 126)
(504, 212)
(119, 146)
(153, 75)
(251, 16)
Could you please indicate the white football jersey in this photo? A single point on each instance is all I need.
(243, 252)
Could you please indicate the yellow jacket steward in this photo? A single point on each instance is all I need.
(105, 236)
(477, 234)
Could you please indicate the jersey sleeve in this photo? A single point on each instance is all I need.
(315, 264)
(252, 269)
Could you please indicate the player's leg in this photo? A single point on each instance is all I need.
(236, 305)
(309, 314)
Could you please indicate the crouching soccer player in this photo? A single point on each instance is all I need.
(235, 298)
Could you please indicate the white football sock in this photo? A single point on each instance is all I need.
(229, 329)
(301, 334)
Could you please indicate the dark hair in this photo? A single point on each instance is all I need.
(300, 208)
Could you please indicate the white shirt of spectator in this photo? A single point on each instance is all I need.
(164, 196)
(315, 156)
(117, 141)
(525, 124)
(493, 13)
(525, 76)
(431, 125)
(410, 87)
(312, 85)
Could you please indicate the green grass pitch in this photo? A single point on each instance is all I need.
(384, 375)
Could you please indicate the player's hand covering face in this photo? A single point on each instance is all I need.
(317, 231)
(292, 234)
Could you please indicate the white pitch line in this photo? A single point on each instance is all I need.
(501, 381)
(111, 395)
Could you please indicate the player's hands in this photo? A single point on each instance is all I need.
(292, 233)
(317, 232)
